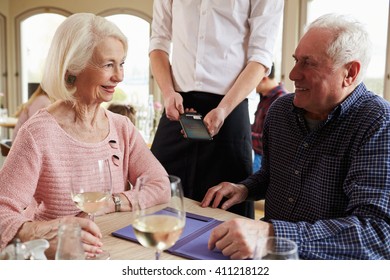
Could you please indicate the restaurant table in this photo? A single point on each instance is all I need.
(121, 249)
(5, 125)
(8, 122)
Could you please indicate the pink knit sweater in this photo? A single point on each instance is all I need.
(39, 165)
(40, 102)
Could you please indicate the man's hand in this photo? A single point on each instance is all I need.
(237, 238)
(235, 193)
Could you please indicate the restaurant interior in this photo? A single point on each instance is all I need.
(26, 28)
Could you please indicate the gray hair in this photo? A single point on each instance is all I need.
(351, 40)
(71, 50)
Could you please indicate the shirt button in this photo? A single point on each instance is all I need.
(296, 172)
(305, 145)
(201, 37)
(291, 200)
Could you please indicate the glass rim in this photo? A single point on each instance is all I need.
(288, 241)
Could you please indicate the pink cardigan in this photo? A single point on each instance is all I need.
(40, 160)
(40, 102)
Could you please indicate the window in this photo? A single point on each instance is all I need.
(375, 15)
(3, 62)
(36, 32)
(135, 86)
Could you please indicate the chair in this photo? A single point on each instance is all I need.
(5, 146)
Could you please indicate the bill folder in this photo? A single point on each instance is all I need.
(192, 243)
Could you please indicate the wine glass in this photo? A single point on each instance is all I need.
(91, 189)
(159, 229)
(275, 248)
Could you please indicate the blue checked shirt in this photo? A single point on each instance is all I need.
(328, 189)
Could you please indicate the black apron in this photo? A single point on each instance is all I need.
(204, 164)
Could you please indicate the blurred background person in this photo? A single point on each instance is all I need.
(38, 100)
(125, 110)
(269, 90)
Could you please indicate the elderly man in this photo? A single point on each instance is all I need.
(325, 176)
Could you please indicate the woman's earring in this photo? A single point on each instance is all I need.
(71, 79)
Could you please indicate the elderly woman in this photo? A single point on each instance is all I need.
(83, 67)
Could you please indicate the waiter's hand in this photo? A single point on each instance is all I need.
(173, 106)
(214, 120)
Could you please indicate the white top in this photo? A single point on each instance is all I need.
(213, 40)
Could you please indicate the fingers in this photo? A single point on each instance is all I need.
(172, 114)
(231, 238)
(190, 110)
(216, 194)
(179, 106)
(90, 236)
(210, 196)
(214, 121)
(216, 234)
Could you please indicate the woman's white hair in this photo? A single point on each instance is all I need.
(71, 50)
(351, 40)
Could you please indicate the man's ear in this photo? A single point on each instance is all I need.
(352, 70)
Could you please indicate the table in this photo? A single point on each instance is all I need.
(5, 125)
(9, 122)
(121, 249)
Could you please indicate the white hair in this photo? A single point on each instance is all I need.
(351, 40)
(71, 50)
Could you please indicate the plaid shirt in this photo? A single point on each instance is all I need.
(261, 112)
(329, 189)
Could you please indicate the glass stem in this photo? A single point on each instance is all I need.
(158, 253)
(91, 217)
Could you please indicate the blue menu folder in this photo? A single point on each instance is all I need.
(192, 243)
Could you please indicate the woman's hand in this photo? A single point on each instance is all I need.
(90, 234)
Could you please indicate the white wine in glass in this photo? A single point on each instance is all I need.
(91, 189)
(160, 230)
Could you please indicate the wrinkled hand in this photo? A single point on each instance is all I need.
(214, 120)
(237, 238)
(174, 106)
(90, 234)
(235, 193)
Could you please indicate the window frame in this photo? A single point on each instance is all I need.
(153, 87)
(18, 54)
(3, 58)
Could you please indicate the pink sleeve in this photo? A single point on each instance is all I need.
(141, 162)
(19, 176)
